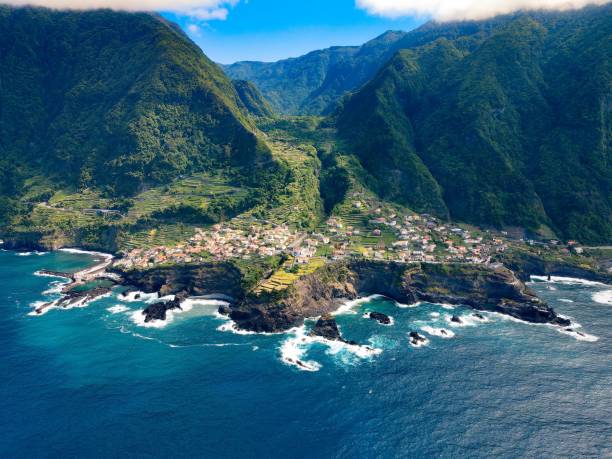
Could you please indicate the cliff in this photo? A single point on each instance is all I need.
(191, 280)
(485, 288)
(526, 264)
(480, 287)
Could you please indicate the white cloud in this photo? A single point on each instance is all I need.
(445, 10)
(194, 30)
(198, 9)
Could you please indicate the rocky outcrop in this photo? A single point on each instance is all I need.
(75, 298)
(380, 317)
(481, 287)
(157, 311)
(416, 339)
(326, 327)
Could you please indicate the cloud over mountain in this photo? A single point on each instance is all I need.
(199, 9)
(446, 10)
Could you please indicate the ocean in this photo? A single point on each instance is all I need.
(95, 382)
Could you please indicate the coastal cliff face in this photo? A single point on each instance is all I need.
(480, 287)
(525, 264)
(191, 280)
(485, 288)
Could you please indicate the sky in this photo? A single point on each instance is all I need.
(269, 30)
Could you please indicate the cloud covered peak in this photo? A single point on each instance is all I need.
(199, 9)
(447, 10)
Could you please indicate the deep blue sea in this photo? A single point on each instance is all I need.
(93, 382)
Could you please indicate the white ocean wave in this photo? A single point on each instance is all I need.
(441, 332)
(565, 300)
(603, 297)
(55, 288)
(142, 297)
(348, 306)
(86, 252)
(577, 334)
(566, 280)
(296, 347)
(467, 320)
(406, 306)
(117, 309)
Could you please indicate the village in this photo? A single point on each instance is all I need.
(366, 230)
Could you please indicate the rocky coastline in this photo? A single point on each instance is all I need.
(482, 287)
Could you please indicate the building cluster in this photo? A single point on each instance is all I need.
(380, 233)
(409, 238)
(222, 242)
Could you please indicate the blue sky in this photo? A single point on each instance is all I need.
(269, 30)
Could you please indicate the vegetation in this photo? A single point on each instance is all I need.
(503, 128)
(117, 131)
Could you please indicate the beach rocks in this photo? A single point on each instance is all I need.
(157, 311)
(224, 310)
(326, 327)
(380, 317)
(74, 298)
(416, 339)
(456, 319)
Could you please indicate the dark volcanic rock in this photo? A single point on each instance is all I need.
(456, 319)
(417, 339)
(380, 317)
(74, 298)
(326, 327)
(157, 311)
(195, 280)
(479, 316)
(224, 310)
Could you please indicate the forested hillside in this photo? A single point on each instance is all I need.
(311, 84)
(507, 127)
(114, 100)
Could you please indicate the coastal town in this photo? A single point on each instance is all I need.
(367, 230)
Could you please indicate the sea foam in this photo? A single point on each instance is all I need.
(296, 347)
(603, 297)
(441, 332)
(565, 280)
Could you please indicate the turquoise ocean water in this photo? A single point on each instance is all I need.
(93, 382)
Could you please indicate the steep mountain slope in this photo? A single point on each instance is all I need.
(252, 100)
(311, 83)
(115, 101)
(506, 127)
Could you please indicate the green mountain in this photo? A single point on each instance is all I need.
(252, 100)
(507, 126)
(311, 83)
(110, 105)
(114, 100)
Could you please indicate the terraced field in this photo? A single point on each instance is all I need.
(166, 235)
(300, 206)
(283, 277)
(197, 191)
